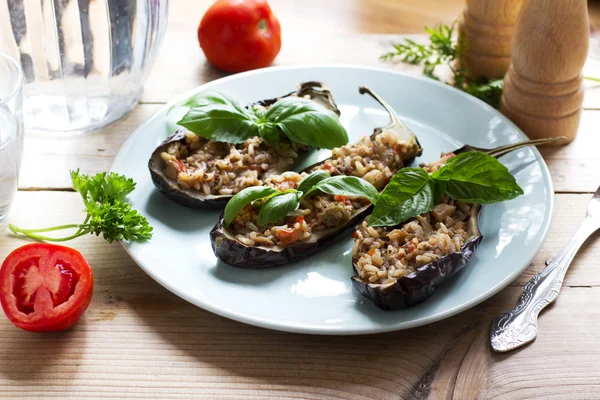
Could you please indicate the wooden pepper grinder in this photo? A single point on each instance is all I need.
(543, 88)
(487, 27)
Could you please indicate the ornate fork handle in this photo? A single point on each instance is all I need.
(518, 326)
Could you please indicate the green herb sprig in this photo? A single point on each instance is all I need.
(443, 49)
(108, 213)
(471, 177)
(276, 204)
(218, 117)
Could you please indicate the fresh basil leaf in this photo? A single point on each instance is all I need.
(278, 207)
(421, 202)
(346, 186)
(200, 99)
(243, 198)
(268, 132)
(221, 119)
(307, 122)
(410, 192)
(439, 191)
(311, 180)
(475, 177)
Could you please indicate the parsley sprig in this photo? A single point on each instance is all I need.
(444, 49)
(108, 213)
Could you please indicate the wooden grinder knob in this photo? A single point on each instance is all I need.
(487, 27)
(543, 89)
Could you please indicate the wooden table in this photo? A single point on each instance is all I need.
(137, 340)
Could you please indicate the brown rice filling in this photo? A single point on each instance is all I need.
(384, 254)
(373, 159)
(224, 169)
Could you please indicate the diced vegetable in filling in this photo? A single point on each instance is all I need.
(384, 254)
(374, 159)
(223, 168)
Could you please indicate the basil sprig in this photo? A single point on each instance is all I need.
(277, 205)
(245, 197)
(471, 177)
(409, 192)
(218, 117)
(476, 177)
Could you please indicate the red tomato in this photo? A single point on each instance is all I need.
(288, 235)
(45, 287)
(239, 35)
(180, 166)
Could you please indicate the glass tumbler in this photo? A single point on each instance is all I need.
(11, 130)
(84, 61)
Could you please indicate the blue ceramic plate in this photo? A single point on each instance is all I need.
(315, 295)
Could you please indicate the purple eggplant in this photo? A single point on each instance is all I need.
(315, 91)
(233, 252)
(418, 286)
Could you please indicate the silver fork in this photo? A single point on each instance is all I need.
(518, 326)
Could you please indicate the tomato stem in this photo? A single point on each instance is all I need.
(263, 25)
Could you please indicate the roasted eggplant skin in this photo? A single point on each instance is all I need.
(233, 252)
(316, 91)
(169, 187)
(237, 254)
(418, 286)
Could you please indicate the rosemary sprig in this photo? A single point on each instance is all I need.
(444, 49)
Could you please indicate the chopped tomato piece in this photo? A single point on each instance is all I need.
(371, 251)
(410, 247)
(255, 167)
(286, 184)
(288, 235)
(45, 287)
(340, 198)
(328, 166)
(180, 166)
(300, 219)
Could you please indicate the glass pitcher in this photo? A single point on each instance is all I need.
(84, 61)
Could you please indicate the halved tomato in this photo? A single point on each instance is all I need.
(45, 287)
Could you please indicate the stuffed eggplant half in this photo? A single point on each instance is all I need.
(222, 149)
(297, 214)
(398, 261)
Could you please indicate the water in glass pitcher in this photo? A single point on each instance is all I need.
(85, 61)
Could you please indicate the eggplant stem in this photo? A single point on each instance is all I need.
(318, 90)
(502, 150)
(393, 116)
